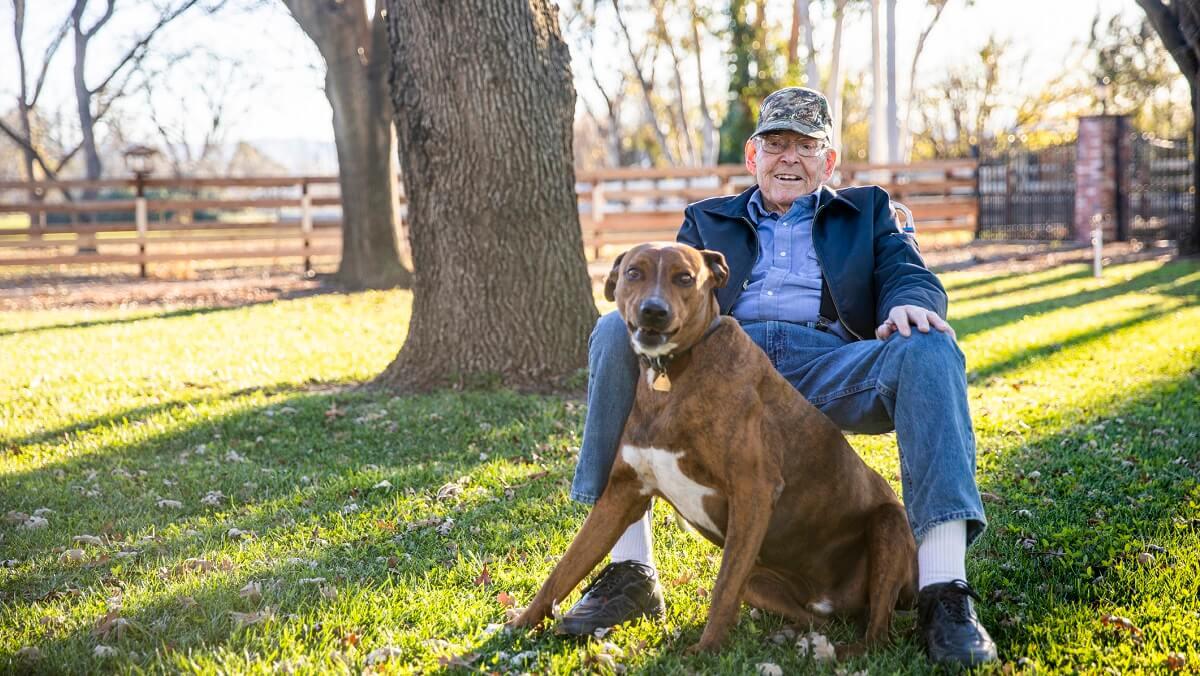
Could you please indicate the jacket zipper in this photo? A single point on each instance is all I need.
(812, 236)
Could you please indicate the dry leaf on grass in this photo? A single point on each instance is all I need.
(252, 591)
(88, 539)
(29, 654)
(111, 624)
(817, 645)
(212, 498)
(505, 599)
(484, 579)
(104, 651)
(1176, 661)
(72, 556)
(1122, 623)
(34, 523)
(381, 655)
(768, 669)
(250, 619)
(169, 504)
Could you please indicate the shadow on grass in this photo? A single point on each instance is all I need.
(1049, 280)
(435, 444)
(168, 314)
(1165, 275)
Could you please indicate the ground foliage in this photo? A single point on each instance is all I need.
(206, 490)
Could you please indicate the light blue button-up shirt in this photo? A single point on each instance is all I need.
(785, 284)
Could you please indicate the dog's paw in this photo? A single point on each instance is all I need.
(703, 647)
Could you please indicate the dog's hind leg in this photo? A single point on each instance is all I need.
(620, 505)
(891, 569)
(767, 590)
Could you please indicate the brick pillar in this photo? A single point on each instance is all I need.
(1101, 151)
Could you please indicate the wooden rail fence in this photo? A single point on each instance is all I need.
(299, 217)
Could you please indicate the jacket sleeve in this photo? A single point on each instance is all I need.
(688, 232)
(901, 277)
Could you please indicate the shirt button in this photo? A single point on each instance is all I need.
(770, 293)
(783, 254)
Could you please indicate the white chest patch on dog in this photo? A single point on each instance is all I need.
(659, 470)
(822, 607)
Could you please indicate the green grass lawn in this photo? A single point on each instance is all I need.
(218, 497)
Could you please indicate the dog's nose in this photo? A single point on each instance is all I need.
(653, 313)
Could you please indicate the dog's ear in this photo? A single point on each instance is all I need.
(610, 285)
(715, 260)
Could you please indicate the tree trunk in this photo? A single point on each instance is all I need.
(906, 141)
(83, 106)
(710, 140)
(836, 79)
(354, 48)
(1189, 243)
(893, 117)
(484, 104)
(877, 145)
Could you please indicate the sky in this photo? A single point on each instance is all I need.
(275, 80)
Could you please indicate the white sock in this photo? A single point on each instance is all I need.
(942, 554)
(635, 544)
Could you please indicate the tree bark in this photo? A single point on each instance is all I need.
(484, 103)
(1178, 26)
(354, 47)
(710, 140)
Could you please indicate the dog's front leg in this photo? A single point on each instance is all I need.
(751, 503)
(620, 505)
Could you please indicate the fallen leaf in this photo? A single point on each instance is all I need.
(104, 651)
(252, 591)
(169, 504)
(111, 624)
(768, 669)
(381, 655)
(683, 579)
(212, 498)
(88, 539)
(506, 600)
(15, 518)
(485, 578)
(816, 645)
(249, 619)
(328, 591)
(464, 660)
(383, 485)
(187, 602)
(29, 654)
(333, 412)
(72, 555)
(1176, 661)
(1122, 623)
(34, 523)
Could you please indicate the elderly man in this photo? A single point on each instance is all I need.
(843, 305)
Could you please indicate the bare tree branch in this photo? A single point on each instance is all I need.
(1169, 30)
(139, 47)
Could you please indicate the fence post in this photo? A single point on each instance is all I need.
(140, 219)
(1097, 245)
(597, 216)
(306, 224)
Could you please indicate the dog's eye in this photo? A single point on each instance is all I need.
(685, 279)
(633, 274)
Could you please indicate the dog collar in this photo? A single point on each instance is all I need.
(657, 366)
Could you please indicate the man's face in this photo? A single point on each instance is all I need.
(782, 170)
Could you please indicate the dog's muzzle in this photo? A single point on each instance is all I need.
(653, 319)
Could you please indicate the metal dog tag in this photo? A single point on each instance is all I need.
(662, 383)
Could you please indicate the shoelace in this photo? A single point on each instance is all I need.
(605, 583)
(954, 601)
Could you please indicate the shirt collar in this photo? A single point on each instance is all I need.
(758, 212)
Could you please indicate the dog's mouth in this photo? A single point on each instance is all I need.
(648, 337)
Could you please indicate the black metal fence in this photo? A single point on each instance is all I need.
(1027, 194)
(1159, 198)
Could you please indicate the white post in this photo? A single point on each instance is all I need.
(597, 215)
(140, 219)
(306, 224)
(1097, 245)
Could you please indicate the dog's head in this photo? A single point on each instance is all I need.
(664, 293)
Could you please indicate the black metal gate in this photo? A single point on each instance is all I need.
(1159, 179)
(1027, 194)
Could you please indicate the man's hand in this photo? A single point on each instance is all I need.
(901, 317)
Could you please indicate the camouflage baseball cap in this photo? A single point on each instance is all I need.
(804, 111)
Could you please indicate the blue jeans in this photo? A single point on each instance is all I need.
(915, 385)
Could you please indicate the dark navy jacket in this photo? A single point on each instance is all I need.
(868, 264)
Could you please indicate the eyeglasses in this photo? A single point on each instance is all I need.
(777, 145)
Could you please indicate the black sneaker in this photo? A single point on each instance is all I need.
(622, 592)
(949, 627)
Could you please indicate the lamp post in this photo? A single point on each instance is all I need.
(1103, 92)
(139, 160)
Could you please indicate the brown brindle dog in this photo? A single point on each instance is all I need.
(809, 531)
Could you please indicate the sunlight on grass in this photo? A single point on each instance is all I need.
(249, 510)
